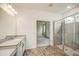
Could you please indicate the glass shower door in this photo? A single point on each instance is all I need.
(69, 35)
(59, 36)
(76, 41)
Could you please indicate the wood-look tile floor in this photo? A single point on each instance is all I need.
(44, 51)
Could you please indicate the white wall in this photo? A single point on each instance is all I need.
(7, 24)
(26, 24)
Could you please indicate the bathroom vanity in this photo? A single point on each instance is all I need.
(14, 46)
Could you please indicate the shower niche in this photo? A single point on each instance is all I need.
(66, 35)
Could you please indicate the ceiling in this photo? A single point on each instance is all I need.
(55, 8)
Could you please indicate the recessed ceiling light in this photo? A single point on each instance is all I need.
(68, 7)
(12, 10)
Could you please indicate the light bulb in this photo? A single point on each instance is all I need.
(68, 7)
(9, 6)
(15, 12)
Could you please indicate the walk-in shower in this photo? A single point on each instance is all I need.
(66, 34)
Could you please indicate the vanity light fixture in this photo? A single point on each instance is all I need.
(15, 12)
(12, 9)
(9, 6)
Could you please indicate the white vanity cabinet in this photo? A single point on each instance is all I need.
(24, 44)
(13, 47)
(20, 48)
